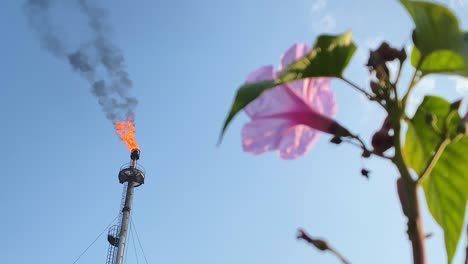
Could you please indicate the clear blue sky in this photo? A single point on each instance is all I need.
(201, 203)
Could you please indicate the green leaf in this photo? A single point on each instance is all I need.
(436, 124)
(436, 27)
(329, 57)
(421, 140)
(446, 192)
(441, 61)
(437, 38)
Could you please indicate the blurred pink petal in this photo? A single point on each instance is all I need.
(294, 53)
(265, 73)
(315, 91)
(296, 142)
(288, 118)
(264, 134)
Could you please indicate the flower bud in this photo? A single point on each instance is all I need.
(381, 141)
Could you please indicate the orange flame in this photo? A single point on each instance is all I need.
(126, 132)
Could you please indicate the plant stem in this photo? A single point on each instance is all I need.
(415, 227)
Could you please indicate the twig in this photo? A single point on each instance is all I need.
(412, 83)
(398, 75)
(320, 244)
(394, 84)
(368, 95)
(363, 146)
(359, 89)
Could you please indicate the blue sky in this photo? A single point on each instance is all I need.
(201, 203)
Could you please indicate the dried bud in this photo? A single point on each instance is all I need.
(365, 153)
(387, 125)
(402, 56)
(388, 53)
(382, 72)
(382, 141)
(375, 87)
(320, 244)
(385, 53)
(301, 234)
(379, 57)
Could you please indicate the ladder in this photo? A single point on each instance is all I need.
(112, 237)
(114, 233)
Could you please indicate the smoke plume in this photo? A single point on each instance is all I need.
(97, 60)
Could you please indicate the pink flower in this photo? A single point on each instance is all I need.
(288, 118)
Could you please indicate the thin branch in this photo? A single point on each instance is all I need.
(398, 75)
(430, 165)
(320, 245)
(368, 95)
(359, 89)
(413, 82)
(394, 84)
(363, 146)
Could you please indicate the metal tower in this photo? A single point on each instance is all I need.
(131, 175)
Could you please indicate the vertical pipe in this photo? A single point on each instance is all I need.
(125, 218)
(125, 223)
(131, 179)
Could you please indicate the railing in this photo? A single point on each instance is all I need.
(111, 251)
(129, 165)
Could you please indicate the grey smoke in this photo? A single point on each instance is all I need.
(99, 53)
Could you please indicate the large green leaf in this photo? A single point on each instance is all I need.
(435, 124)
(436, 27)
(437, 39)
(329, 57)
(423, 137)
(441, 61)
(446, 192)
